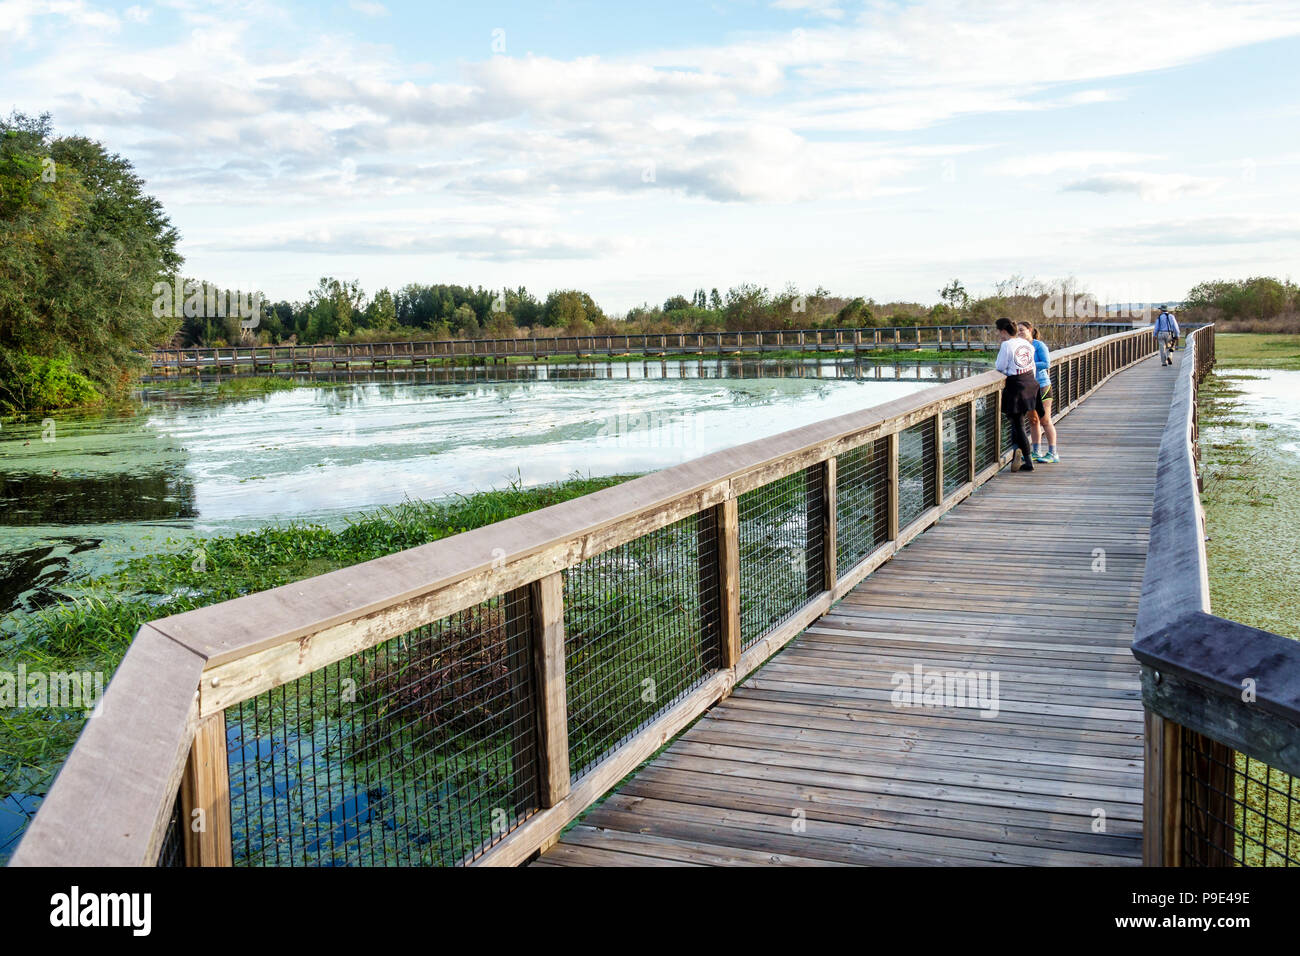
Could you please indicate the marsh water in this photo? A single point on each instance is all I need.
(81, 492)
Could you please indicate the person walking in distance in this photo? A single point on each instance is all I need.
(1166, 333)
(1019, 394)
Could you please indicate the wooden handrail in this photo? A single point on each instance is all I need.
(1192, 662)
(130, 760)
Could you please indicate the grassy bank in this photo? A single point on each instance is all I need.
(93, 628)
(1252, 505)
(1237, 350)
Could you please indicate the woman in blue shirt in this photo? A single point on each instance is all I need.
(1040, 419)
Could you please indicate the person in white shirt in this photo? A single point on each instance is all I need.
(1020, 393)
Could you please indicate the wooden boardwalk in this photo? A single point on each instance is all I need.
(808, 763)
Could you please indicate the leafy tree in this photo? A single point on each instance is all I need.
(857, 314)
(954, 296)
(332, 309)
(1259, 297)
(381, 313)
(748, 307)
(571, 309)
(81, 248)
(465, 321)
(524, 306)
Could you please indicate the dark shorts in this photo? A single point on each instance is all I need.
(1044, 395)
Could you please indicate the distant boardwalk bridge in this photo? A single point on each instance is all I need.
(863, 641)
(256, 358)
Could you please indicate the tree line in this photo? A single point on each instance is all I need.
(1257, 304)
(339, 310)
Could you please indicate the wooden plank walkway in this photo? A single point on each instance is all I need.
(808, 763)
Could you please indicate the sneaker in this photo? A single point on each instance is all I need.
(1040, 458)
(1051, 458)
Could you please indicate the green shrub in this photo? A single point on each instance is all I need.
(31, 383)
(1259, 297)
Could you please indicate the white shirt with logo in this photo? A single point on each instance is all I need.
(1016, 356)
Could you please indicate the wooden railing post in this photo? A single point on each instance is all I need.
(830, 554)
(205, 796)
(727, 531)
(552, 701)
(971, 465)
(892, 452)
(938, 459)
(1162, 805)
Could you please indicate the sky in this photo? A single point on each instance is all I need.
(638, 150)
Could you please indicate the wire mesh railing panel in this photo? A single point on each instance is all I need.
(173, 847)
(861, 502)
(986, 429)
(916, 471)
(640, 631)
(421, 750)
(956, 448)
(1237, 811)
(780, 551)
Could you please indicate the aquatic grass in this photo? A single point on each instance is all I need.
(257, 385)
(92, 627)
(1256, 350)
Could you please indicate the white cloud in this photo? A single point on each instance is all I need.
(1151, 187)
(498, 244)
(823, 114)
(18, 17)
(1086, 97)
(368, 8)
(830, 9)
(1207, 231)
(1044, 164)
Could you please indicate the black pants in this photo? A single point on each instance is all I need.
(1020, 438)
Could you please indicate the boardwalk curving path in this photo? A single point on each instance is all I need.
(809, 763)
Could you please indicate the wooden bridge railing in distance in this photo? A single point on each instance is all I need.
(462, 701)
(939, 337)
(1222, 700)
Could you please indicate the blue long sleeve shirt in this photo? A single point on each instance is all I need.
(1042, 363)
(1165, 322)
